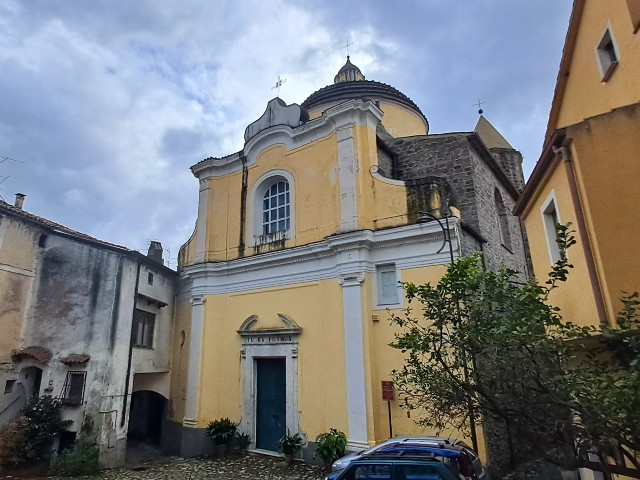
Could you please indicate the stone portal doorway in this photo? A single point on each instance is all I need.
(270, 381)
(271, 406)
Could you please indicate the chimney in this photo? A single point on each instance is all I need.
(155, 252)
(19, 200)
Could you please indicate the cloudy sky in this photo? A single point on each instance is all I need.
(106, 104)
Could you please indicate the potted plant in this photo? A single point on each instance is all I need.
(221, 432)
(289, 445)
(243, 440)
(330, 446)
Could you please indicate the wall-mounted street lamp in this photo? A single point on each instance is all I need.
(426, 217)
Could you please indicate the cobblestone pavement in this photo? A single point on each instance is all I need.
(227, 468)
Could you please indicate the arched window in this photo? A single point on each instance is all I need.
(276, 208)
(502, 220)
(272, 208)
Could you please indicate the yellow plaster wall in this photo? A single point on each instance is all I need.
(316, 211)
(586, 95)
(605, 151)
(17, 265)
(380, 205)
(317, 308)
(316, 197)
(19, 244)
(575, 296)
(180, 361)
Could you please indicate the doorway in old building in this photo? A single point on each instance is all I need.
(146, 418)
(271, 402)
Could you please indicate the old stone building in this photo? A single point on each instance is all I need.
(88, 322)
(301, 239)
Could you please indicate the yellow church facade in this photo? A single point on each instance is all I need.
(587, 174)
(302, 238)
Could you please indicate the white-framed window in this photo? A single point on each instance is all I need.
(607, 55)
(272, 208)
(550, 218)
(387, 285)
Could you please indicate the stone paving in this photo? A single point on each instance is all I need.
(232, 467)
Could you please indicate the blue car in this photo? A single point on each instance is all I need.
(454, 456)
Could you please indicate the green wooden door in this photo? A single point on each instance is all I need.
(271, 409)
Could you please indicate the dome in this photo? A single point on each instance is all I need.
(364, 89)
(350, 84)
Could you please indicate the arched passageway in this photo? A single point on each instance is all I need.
(146, 417)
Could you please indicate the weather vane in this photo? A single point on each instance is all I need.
(479, 105)
(349, 43)
(278, 85)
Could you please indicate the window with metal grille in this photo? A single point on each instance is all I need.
(276, 209)
(73, 389)
(143, 326)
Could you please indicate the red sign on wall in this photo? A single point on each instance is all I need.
(388, 392)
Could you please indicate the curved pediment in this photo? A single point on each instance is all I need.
(289, 327)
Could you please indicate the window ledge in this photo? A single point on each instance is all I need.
(609, 71)
(389, 306)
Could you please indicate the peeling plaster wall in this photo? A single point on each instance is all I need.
(83, 303)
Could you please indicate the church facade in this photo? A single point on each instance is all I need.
(301, 240)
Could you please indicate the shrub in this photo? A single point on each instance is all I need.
(243, 440)
(41, 421)
(330, 446)
(81, 460)
(221, 431)
(290, 443)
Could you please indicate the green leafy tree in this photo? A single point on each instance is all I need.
(488, 347)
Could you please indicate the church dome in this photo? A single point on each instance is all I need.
(350, 84)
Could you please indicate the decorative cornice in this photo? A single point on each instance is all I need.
(352, 253)
(350, 112)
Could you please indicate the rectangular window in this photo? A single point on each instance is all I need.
(73, 389)
(8, 386)
(150, 278)
(550, 219)
(607, 55)
(143, 327)
(387, 284)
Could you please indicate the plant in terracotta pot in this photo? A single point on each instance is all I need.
(243, 440)
(221, 432)
(330, 447)
(289, 445)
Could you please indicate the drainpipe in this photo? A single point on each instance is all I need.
(582, 230)
(128, 376)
